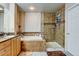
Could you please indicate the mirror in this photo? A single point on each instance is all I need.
(1, 20)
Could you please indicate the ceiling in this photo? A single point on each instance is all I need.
(40, 7)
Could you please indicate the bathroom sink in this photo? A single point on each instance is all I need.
(3, 38)
(7, 37)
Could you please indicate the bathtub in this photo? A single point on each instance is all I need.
(33, 43)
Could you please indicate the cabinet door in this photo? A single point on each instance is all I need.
(14, 47)
(5, 48)
(18, 45)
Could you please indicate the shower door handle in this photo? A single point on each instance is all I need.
(68, 33)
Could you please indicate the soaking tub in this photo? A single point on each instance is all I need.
(33, 43)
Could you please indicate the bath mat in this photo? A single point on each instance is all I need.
(55, 53)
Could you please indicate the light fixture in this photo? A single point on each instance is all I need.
(31, 8)
(1, 8)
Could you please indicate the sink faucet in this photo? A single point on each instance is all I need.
(5, 34)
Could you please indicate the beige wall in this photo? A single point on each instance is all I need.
(19, 19)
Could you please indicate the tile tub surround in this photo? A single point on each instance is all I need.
(33, 43)
(34, 46)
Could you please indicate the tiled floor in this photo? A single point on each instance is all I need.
(52, 49)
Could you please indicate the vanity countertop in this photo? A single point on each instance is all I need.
(6, 38)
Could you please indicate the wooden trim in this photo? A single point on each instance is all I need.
(49, 23)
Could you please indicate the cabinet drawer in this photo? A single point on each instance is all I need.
(4, 44)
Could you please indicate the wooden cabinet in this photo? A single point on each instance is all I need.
(5, 48)
(16, 46)
(11, 47)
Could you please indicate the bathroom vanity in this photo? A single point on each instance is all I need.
(10, 46)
